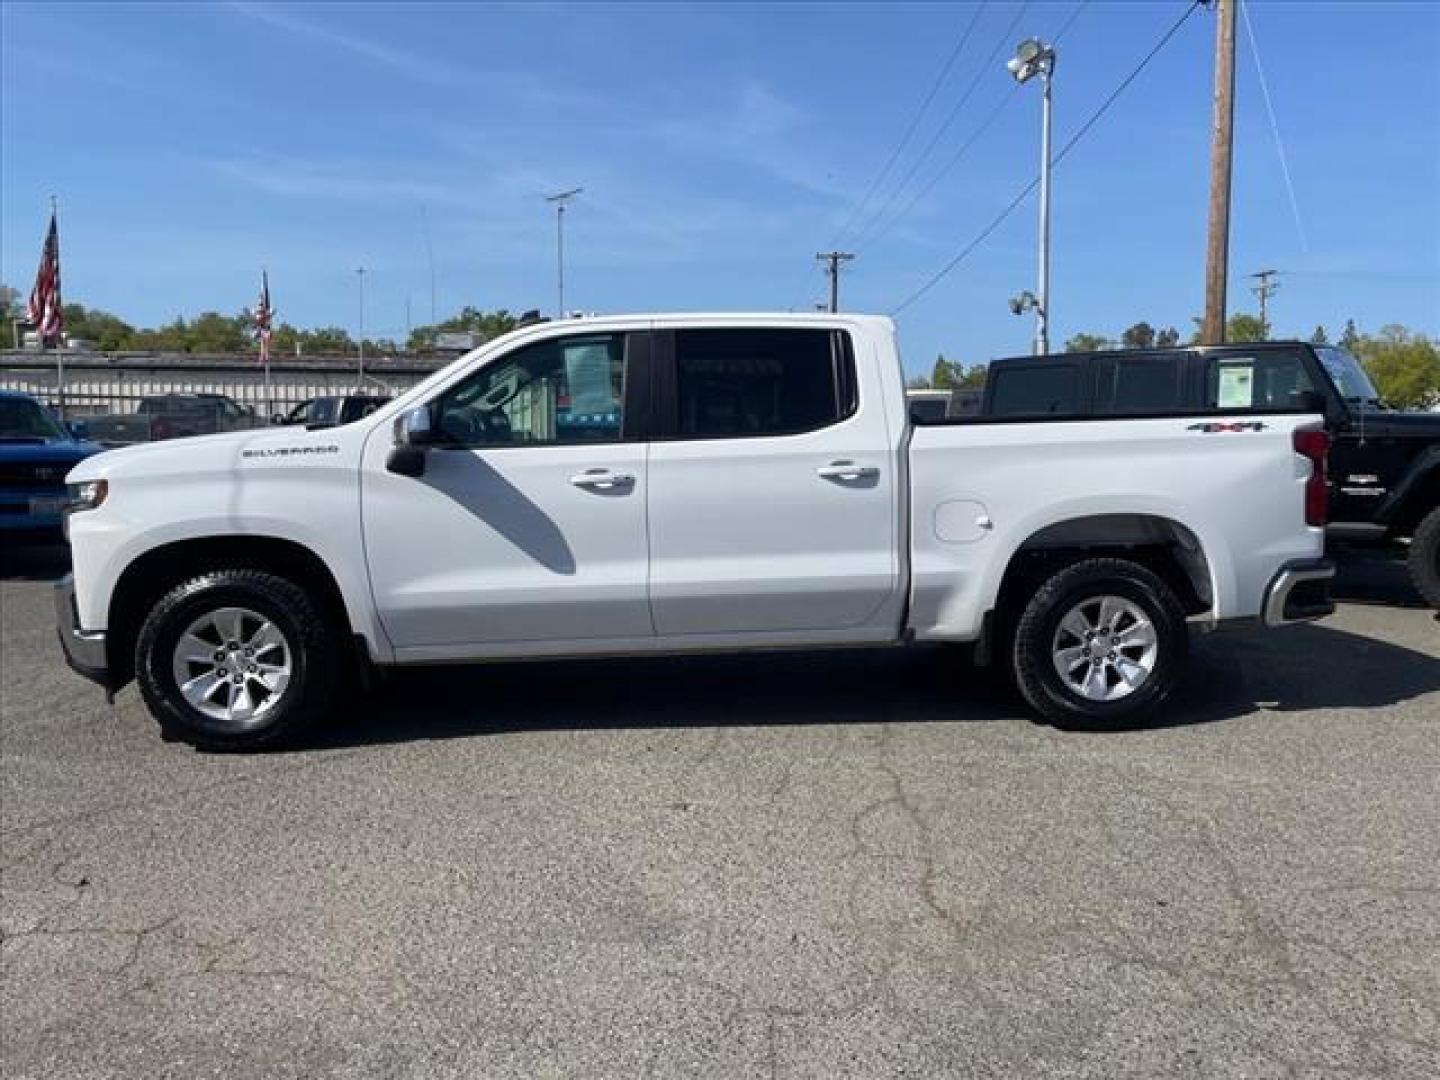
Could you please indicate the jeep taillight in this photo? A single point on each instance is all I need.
(1313, 445)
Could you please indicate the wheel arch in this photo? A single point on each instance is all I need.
(156, 571)
(1166, 546)
(1417, 493)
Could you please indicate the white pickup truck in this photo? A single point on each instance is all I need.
(684, 483)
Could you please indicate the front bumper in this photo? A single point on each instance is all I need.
(85, 650)
(1300, 592)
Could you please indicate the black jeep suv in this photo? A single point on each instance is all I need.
(1384, 466)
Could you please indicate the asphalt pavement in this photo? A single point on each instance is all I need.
(795, 865)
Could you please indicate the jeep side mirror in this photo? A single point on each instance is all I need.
(413, 435)
(79, 430)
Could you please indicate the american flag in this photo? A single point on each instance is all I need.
(262, 315)
(43, 311)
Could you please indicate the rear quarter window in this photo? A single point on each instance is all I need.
(1262, 381)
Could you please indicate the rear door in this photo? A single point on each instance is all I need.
(772, 490)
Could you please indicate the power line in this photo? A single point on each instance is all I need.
(945, 126)
(1274, 127)
(974, 137)
(914, 122)
(1059, 157)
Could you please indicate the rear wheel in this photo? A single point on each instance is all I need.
(1425, 557)
(236, 660)
(1101, 644)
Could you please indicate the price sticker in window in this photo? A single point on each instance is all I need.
(1237, 386)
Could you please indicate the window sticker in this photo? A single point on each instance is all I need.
(1237, 386)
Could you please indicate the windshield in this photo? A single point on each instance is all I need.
(21, 418)
(1347, 374)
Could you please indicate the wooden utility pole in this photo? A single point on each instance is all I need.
(832, 261)
(1264, 289)
(1222, 145)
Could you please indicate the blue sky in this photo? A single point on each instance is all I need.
(720, 147)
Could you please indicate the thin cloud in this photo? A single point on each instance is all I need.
(421, 69)
(296, 179)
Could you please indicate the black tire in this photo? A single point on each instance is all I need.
(1035, 637)
(1424, 558)
(311, 646)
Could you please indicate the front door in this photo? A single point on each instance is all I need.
(528, 525)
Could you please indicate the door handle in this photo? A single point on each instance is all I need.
(847, 470)
(601, 479)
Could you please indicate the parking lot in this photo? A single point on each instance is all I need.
(867, 864)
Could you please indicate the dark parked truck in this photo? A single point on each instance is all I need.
(36, 451)
(1384, 465)
(172, 416)
(332, 410)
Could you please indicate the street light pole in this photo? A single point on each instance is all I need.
(1042, 309)
(360, 273)
(560, 198)
(1033, 57)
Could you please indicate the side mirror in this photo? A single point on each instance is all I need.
(79, 430)
(413, 434)
(415, 428)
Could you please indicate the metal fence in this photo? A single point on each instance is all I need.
(96, 385)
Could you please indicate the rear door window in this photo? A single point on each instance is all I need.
(1036, 390)
(756, 382)
(1261, 381)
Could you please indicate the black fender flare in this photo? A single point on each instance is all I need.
(1412, 481)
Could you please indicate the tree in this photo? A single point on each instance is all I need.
(1319, 337)
(1087, 343)
(953, 375)
(489, 324)
(1167, 338)
(944, 375)
(1243, 326)
(212, 332)
(972, 377)
(1139, 336)
(1350, 337)
(11, 306)
(109, 332)
(1404, 366)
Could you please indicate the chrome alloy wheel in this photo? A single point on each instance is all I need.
(1105, 648)
(232, 665)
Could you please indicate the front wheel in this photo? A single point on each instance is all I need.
(236, 660)
(1425, 557)
(1101, 644)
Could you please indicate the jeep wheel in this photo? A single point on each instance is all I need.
(1101, 644)
(1425, 558)
(236, 660)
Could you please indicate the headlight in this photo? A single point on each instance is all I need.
(88, 495)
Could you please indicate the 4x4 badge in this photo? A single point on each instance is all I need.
(1240, 425)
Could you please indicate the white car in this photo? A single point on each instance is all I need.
(679, 484)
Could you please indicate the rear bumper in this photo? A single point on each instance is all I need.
(85, 650)
(1300, 592)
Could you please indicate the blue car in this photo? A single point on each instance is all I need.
(36, 451)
